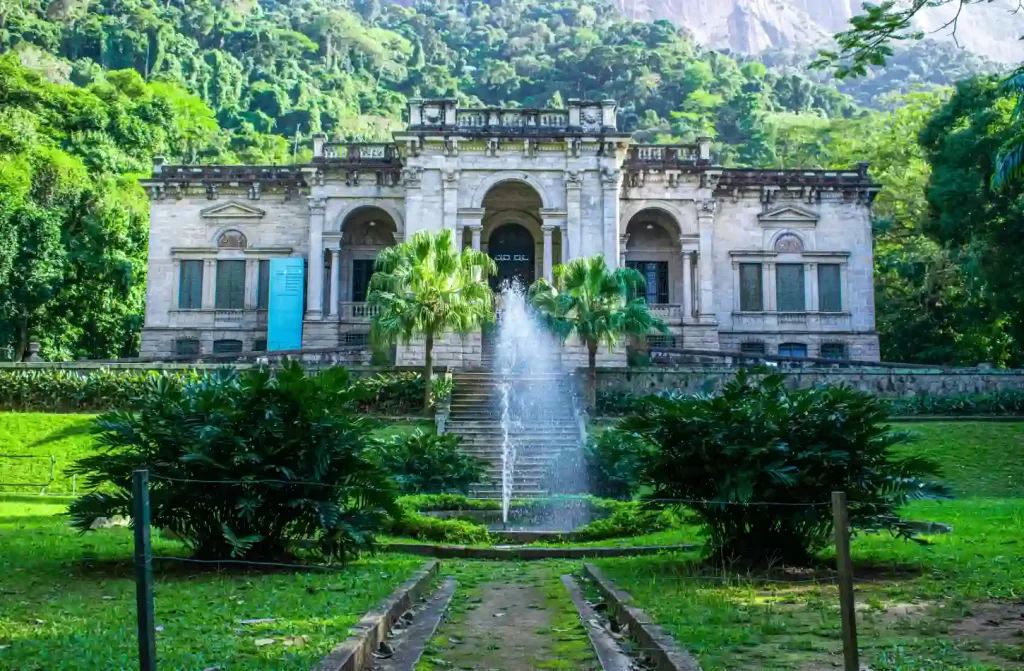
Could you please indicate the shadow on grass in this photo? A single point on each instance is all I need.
(183, 568)
(70, 431)
(708, 570)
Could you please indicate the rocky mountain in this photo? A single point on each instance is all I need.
(992, 29)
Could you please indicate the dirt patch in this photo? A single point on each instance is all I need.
(995, 624)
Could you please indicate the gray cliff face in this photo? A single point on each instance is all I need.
(751, 26)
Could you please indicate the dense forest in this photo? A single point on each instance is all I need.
(91, 90)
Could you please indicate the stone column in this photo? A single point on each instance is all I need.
(811, 287)
(335, 280)
(687, 284)
(209, 283)
(252, 282)
(705, 226)
(548, 231)
(623, 242)
(572, 240)
(477, 230)
(315, 259)
(610, 179)
(450, 208)
(175, 283)
(564, 238)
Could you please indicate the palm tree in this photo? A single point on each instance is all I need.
(597, 305)
(1010, 159)
(423, 287)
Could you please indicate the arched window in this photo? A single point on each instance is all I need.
(231, 240)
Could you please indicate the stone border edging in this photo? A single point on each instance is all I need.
(528, 553)
(667, 654)
(355, 653)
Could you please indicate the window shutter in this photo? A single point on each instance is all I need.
(190, 285)
(263, 288)
(789, 287)
(230, 285)
(830, 296)
(751, 288)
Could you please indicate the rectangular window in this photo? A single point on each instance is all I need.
(186, 347)
(751, 288)
(656, 276)
(259, 345)
(190, 285)
(795, 349)
(230, 285)
(362, 271)
(833, 350)
(789, 287)
(263, 286)
(227, 346)
(752, 348)
(359, 339)
(830, 293)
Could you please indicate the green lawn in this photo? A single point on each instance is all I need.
(68, 601)
(979, 458)
(40, 434)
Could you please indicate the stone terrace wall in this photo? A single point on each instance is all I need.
(891, 382)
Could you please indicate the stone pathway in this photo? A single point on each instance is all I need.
(510, 617)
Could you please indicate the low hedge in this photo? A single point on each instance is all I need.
(105, 389)
(618, 403)
(427, 528)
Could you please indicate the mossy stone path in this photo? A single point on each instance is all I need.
(510, 617)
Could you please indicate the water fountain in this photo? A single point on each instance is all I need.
(534, 393)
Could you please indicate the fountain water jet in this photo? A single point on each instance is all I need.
(532, 387)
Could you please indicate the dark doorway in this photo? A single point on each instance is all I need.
(512, 248)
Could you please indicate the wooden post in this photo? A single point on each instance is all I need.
(143, 571)
(847, 606)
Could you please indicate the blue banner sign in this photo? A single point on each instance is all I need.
(284, 318)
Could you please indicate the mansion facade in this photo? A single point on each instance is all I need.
(758, 261)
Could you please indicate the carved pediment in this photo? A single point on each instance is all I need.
(788, 216)
(232, 210)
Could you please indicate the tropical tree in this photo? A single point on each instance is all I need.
(596, 304)
(423, 287)
(1010, 159)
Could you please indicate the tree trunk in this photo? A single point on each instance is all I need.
(428, 372)
(591, 378)
(21, 341)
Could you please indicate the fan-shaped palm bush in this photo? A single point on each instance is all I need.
(244, 464)
(758, 463)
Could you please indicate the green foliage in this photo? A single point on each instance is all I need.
(431, 502)
(423, 287)
(259, 433)
(427, 528)
(631, 518)
(616, 403)
(615, 464)
(426, 463)
(391, 393)
(595, 304)
(1001, 403)
(757, 443)
(66, 391)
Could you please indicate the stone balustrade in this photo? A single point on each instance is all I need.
(358, 312)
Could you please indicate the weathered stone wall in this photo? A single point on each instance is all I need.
(894, 382)
(452, 350)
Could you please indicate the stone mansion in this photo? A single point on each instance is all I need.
(758, 261)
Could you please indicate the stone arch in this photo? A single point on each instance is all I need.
(631, 209)
(241, 242)
(781, 236)
(499, 178)
(389, 208)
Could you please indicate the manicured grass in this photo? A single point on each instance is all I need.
(914, 601)
(978, 458)
(41, 434)
(68, 601)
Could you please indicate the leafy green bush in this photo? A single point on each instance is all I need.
(756, 441)
(244, 464)
(615, 463)
(426, 463)
(392, 393)
(431, 502)
(1010, 402)
(67, 391)
(616, 403)
(631, 518)
(427, 528)
(442, 389)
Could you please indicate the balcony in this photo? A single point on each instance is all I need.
(359, 313)
(357, 154)
(211, 318)
(791, 321)
(668, 156)
(670, 314)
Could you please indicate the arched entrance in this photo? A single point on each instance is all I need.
(514, 252)
(364, 233)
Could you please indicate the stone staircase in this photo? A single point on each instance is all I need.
(475, 416)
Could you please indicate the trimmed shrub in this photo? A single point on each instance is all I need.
(66, 391)
(616, 403)
(426, 463)
(965, 405)
(615, 463)
(244, 464)
(392, 393)
(757, 442)
(631, 518)
(432, 502)
(427, 528)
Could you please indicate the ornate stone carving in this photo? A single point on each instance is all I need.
(709, 179)
(254, 191)
(211, 191)
(451, 177)
(575, 147)
(789, 244)
(352, 178)
(232, 240)
(708, 206)
(412, 177)
(493, 145)
(317, 206)
(610, 176)
(590, 119)
(451, 147)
